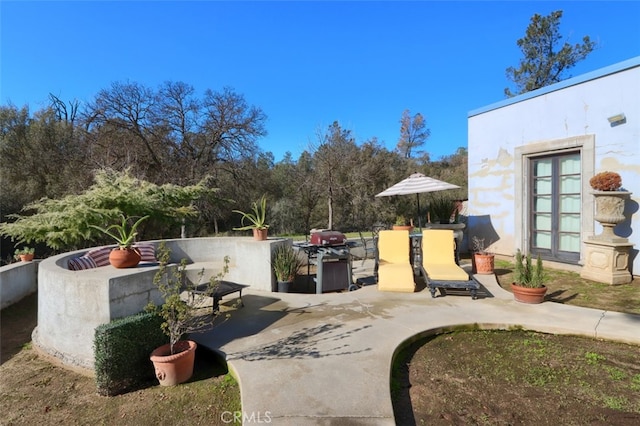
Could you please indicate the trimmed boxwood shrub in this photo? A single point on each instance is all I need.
(121, 350)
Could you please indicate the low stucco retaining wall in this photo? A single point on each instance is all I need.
(71, 304)
(17, 280)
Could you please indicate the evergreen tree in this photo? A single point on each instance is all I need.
(542, 65)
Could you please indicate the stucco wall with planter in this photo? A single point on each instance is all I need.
(71, 304)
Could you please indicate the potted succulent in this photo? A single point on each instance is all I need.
(286, 264)
(174, 361)
(124, 256)
(528, 279)
(256, 219)
(25, 254)
(610, 200)
(483, 259)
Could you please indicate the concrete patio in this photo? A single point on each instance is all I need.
(307, 359)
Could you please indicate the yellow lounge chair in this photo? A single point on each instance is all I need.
(439, 265)
(394, 271)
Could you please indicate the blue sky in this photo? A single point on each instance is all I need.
(306, 64)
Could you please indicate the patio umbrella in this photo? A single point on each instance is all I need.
(417, 184)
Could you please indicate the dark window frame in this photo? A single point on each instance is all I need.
(554, 253)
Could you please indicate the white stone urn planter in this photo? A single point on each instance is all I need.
(610, 212)
(606, 256)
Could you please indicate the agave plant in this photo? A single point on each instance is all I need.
(122, 233)
(256, 218)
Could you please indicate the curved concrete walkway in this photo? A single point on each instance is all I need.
(306, 359)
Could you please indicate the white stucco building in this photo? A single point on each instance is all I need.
(531, 158)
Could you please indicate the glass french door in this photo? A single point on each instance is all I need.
(555, 207)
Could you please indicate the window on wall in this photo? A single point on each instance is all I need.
(555, 207)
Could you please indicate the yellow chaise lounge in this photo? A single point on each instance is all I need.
(439, 266)
(394, 271)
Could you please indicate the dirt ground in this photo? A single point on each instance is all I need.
(525, 378)
(517, 378)
(34, 391)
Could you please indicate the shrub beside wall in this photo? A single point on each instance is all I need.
(122, 348)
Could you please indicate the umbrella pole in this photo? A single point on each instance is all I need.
(419, 215)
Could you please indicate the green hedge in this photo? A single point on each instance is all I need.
(122, 349)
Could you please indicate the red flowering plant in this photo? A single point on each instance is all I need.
(606, 181)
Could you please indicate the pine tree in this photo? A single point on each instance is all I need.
(541, 64)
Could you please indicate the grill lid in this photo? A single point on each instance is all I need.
(328, 238)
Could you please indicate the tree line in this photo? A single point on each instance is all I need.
(168, 135)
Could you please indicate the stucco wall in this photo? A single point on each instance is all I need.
(71, 304)
(570, 112)
(17, 281)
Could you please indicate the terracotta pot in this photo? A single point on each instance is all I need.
(124, 258)
(260, 234)
(528, 295)
(26, 257)
(174, 369)
(403, 228)
(483, 263)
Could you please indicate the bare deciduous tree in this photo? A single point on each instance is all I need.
(413, 134)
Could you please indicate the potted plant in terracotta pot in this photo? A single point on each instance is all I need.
(286, 264)
(256, 220)
(528, 279)
(610, 200)
(483, 259)
(174, 361)
(25, 254)
(124, 256)
(402, 224)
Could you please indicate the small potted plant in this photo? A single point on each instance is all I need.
(256, 220)
(528, 279)
(286, 264)
(25, 254)
(402, 224)
(174, 361)
(124, 256)
(483, 259)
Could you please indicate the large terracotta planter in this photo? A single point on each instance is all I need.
(527, 294)
(260, 234)
(483, 263)
(174, 369)
(124, 258)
